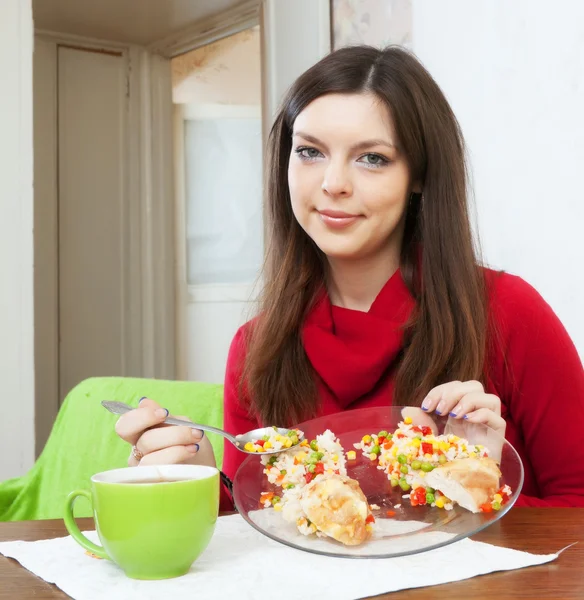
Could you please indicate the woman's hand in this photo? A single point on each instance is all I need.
(154, 443)
(466, 400)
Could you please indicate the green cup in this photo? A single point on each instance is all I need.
(154, 521)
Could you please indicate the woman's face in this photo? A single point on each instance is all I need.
(349, 184)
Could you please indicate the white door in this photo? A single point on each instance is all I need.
(220, 158)
(92, 105)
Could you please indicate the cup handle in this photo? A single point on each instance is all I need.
(73, 528)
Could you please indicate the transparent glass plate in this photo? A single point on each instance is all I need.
(412, 529)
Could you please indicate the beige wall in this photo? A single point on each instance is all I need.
(373, 22)
(16, 241)
(225, 72)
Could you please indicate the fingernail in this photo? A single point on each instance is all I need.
(439, 409)
(453, 414)
(197, 434)
(194, 448)
(426, 404)
(161, 412)
(465, 417)
(143, 398)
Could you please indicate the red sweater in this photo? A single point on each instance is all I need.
(541, 387)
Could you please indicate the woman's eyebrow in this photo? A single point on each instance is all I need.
(358, 146)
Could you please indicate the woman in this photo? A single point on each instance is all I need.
(373, 290)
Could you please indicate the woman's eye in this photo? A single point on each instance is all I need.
(374, 160)
(308, 153)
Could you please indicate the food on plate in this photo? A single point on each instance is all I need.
(316, 494)
(274, 441)
(338, 508)
(411, 454)
(470, 482)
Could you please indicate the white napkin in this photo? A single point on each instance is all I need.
(241, 563)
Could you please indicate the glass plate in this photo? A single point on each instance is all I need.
(411, 529)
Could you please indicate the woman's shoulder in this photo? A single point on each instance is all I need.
(512, 299)
(239, 343)
(521, 314)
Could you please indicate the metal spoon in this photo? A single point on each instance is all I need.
(239, 441)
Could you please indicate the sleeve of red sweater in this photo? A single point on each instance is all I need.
(544, 393)
(236, 417)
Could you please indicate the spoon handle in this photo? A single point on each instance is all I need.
(119, 408)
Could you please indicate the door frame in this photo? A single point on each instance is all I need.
(148, 225)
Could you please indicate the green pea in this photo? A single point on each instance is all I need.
(273, 460)
(383, 434)
(416, 465)
(290, 486)
(442, 459)
(276, 499)
(283, 472)
(314, 445)
(402, 459)
(394, 482)
(404, 469)
(430, 490)
(404, 485)
(311, 467)
(376, 449)
(496, 506)
(427, 467)
(291, 433)
(429, 498)
(266, 438)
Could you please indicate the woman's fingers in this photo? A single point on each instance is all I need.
(474, 401)
(443, 398)
(131, 425)
(170, 456)
(153, 440)
(489, 418)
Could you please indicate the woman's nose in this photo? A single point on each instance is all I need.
(337, 182)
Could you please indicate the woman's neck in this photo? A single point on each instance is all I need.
(355, 284)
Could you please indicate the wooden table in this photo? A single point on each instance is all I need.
(541, 531)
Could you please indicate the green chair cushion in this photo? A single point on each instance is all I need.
(83, 441)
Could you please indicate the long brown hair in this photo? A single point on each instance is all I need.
(446, 337)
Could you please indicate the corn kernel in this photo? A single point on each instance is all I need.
(351, 455)
(427, 456)
(439, 502)
(373, 456)
(472, 455)
(287, 443)
(335, 457)
(416, 443)
(444, 446)
(368, 528)
(267, 445)
(408, 420)
(249, 447)
(498, 498)
(278, 507)
(301, 456)
(366, 438)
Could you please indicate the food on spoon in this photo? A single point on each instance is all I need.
(412, 453)
(274, 441)
(338, 508)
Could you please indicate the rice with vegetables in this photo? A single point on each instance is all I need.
(409, 453)
(274, 441)
(293, 469)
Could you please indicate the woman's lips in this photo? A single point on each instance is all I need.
(337, 219)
